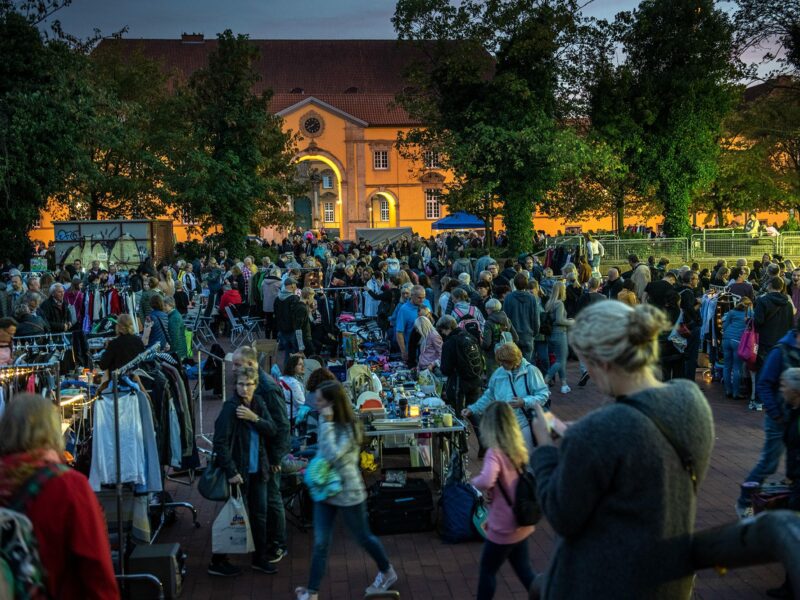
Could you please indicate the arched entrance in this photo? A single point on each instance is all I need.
(383, 210)
(302, 212)
(332, 197)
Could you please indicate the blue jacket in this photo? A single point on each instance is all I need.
(501, 389)
(769, 379)
(734, 323)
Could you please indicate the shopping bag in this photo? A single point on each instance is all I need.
(678, 340)
(748, 346)
(231, 532)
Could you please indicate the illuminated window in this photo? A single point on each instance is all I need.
(380, 160)
(384, 210)
(187, 218)
(432, 206)
(328, 212)
(431, 158)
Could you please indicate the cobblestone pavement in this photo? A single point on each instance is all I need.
(430, 569)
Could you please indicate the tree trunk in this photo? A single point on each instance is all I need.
(94, 205)
(620, 209)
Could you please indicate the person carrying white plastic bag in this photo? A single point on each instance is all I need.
(231, 532)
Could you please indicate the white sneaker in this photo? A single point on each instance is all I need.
(383, 581)
(565, 389)
(302, 593)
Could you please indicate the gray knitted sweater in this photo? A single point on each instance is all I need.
(618, 497)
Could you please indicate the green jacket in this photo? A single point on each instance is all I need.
(177, 334)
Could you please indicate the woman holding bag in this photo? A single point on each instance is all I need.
(240, 439)
(506, 457)
(734, 324)
(339, 446)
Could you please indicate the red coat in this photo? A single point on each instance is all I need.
(229, 298)
(73, 540)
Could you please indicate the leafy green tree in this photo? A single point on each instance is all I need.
(236, 170)
(42, 97)
(679, 56)
(488, 91)
(122, 172)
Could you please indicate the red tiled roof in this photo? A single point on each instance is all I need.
(324, 69)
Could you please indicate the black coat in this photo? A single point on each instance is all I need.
(232, 437)
(772, 318)
(57, 317)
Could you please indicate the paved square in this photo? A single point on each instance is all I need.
(429, 569)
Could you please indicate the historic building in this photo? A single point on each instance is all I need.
(339, 96)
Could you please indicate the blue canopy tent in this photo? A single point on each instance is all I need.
(459, 220)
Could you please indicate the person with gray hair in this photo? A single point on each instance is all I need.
(55, 311)
(462, 364)
(29, 322)
(497, 329)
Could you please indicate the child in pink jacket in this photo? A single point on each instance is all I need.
(506, 457)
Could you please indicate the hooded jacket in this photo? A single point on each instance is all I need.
(270, 288)
(784, 355)
(291, 315)
(523, 312)
(495, 324)
(772, 318)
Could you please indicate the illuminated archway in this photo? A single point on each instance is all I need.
(393, 209)
(335, 167)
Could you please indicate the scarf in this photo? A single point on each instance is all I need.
(16, 469)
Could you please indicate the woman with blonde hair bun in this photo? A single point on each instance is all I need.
(621, 489)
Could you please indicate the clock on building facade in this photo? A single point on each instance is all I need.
(312, 124)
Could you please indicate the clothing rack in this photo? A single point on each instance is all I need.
(8, 371)
(202, 434)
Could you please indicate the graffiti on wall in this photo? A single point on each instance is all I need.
(124, 244)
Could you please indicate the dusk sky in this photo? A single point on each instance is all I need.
(320, 19)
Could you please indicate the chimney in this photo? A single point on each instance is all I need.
(192, 38)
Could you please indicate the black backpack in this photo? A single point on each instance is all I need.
(546, 323)
(470, 357)
(469, 323)
(525, 506)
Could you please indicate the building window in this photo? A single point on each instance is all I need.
(328, 212)
(380, 160)
(384, 210)
(327, 182)
(187, 218)
(431, 159)
(432, 206)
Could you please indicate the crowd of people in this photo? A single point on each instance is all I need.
(500, 335)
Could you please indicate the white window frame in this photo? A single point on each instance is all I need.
(380, 160)
(329, 212)
(327, 182)
(433, 208)
(431, 159)
(187, 218)
(384, 210)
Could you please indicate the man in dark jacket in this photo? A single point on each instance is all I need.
(772, 317)
(785, 355)
(290, 316)
(591, 296)
(690, 308)
(459, 353)
(613, 284)
(523, 312)
(241, 431)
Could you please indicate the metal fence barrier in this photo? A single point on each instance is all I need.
(675, 249)
(732, 245)
(789, 244)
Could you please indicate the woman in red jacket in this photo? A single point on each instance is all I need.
(67, 519)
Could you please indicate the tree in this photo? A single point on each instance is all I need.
(679, 56)
(122, 172)
(487, 90)
(771, 27)
(237, 170)
(41, 122)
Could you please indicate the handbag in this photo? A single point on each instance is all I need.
(213, 484)
(231, 533)
(675, 337)
(748, 345)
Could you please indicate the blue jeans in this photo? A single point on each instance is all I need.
(558, 346)
(542, 355)
(276, 516)
(732, 367)
(525, 346)
(771, 452)
(355, 517)
(492, 558)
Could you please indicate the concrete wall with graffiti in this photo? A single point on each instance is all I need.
(123, 243)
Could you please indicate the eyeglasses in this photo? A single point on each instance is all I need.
(245, 384)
